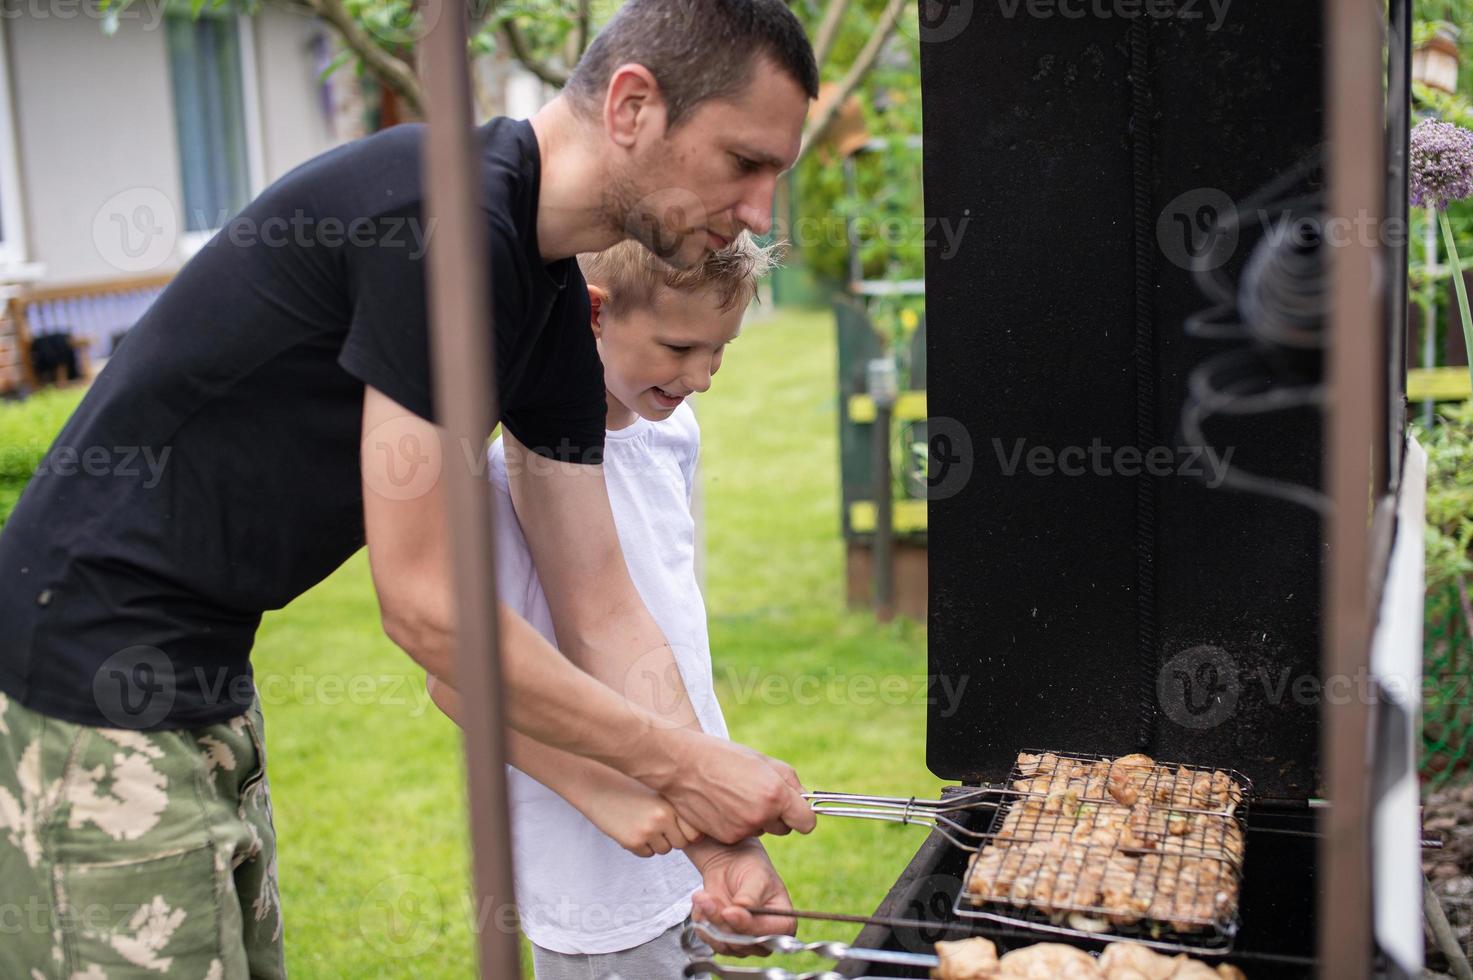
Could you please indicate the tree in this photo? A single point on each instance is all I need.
(547, 37)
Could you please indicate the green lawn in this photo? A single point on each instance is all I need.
(366, 777)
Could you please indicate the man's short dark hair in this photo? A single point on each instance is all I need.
(696, 49)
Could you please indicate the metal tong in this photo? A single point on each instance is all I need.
(702, 966)
(931, 814)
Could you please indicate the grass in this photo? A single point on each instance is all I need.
(366, 776)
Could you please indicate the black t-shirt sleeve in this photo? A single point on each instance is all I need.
(560, 411)
(549, 377)
(388, 336)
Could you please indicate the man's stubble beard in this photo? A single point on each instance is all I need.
(631, 212)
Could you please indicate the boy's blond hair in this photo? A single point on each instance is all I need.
(632, 276)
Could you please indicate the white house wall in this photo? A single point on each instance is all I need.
(94, 119)
(293, 126)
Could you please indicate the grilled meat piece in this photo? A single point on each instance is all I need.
(967, 959)
(977, 959)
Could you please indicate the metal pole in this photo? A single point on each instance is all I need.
(883, 389)
(465, 405)
(1429, 325)
(1357, 185)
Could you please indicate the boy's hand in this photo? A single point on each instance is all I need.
(735, 878)
(638, 818)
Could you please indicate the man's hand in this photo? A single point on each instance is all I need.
(729, 791)
(736, 878)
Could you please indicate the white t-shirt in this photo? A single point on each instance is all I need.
(577, 890)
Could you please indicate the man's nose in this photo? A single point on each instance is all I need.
(755, 211)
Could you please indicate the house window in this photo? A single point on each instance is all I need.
(12, 245)
(208, 68)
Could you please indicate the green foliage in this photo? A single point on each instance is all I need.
(1448, 656)
(886, 199)
(26, 431)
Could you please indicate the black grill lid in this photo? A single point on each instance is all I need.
(1040, 596)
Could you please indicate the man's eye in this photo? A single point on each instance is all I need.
(745, 165)
(678, 349)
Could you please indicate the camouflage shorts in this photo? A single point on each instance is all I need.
(127, 855)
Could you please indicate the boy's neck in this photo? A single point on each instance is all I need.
(618, 415)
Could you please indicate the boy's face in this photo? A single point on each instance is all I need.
(657, 355)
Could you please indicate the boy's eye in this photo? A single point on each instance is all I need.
(678, 349)
(745, 165)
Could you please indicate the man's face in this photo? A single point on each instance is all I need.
(655, 357)
(696, 188)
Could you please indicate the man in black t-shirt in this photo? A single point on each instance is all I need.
(282, 381)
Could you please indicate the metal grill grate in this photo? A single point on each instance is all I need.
(1088, 846)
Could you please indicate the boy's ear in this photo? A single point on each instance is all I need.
(597, 297)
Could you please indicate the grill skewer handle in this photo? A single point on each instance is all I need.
(835, 951)
(705, 969)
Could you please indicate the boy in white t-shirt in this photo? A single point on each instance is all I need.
(603, 887)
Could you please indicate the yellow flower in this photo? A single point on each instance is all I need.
(909, 320)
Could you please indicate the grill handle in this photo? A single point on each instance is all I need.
(835, 951)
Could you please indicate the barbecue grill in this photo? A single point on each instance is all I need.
(1118, 288)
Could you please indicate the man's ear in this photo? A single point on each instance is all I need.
(596, 299)
(633, 104)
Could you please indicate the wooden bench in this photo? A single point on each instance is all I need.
(94, 315)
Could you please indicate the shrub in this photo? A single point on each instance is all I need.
(26, 431)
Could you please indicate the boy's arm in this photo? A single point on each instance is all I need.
(547, 698)
(635, 816)
(604, 627)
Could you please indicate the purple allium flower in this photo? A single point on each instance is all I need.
(1442, 164)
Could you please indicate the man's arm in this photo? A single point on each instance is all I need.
(548, 698)
(603, 626)
(632, 814)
